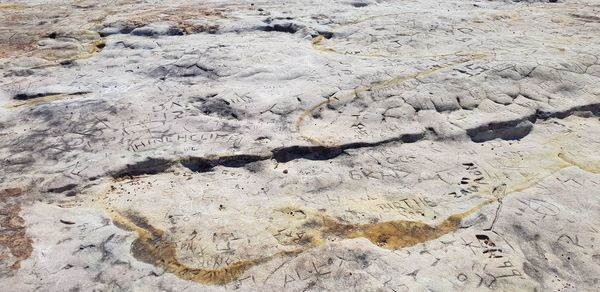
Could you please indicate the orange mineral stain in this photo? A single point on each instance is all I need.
(13, 233)
(154, 247)
(400, 234)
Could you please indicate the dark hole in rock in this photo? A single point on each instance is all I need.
(205, 164)
(148, 166)
(359, 4)
(26, 96)
(286, 27)
(326, 34)
(62, 189)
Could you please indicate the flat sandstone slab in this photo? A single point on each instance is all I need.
(299, 146)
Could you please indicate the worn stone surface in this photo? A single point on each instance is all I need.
(299, 145)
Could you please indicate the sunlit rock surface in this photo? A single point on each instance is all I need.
(299, 145)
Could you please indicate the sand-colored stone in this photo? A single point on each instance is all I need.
(299, 146)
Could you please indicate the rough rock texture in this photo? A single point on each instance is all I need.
(299, 145)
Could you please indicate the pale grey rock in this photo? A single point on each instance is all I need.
(299, 146)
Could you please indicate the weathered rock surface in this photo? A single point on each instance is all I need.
(299, 146)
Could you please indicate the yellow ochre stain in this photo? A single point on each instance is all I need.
(400, 233)
(153, 247)
(583, 165)
(95, 47)
(12, 6)
(42, 100)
